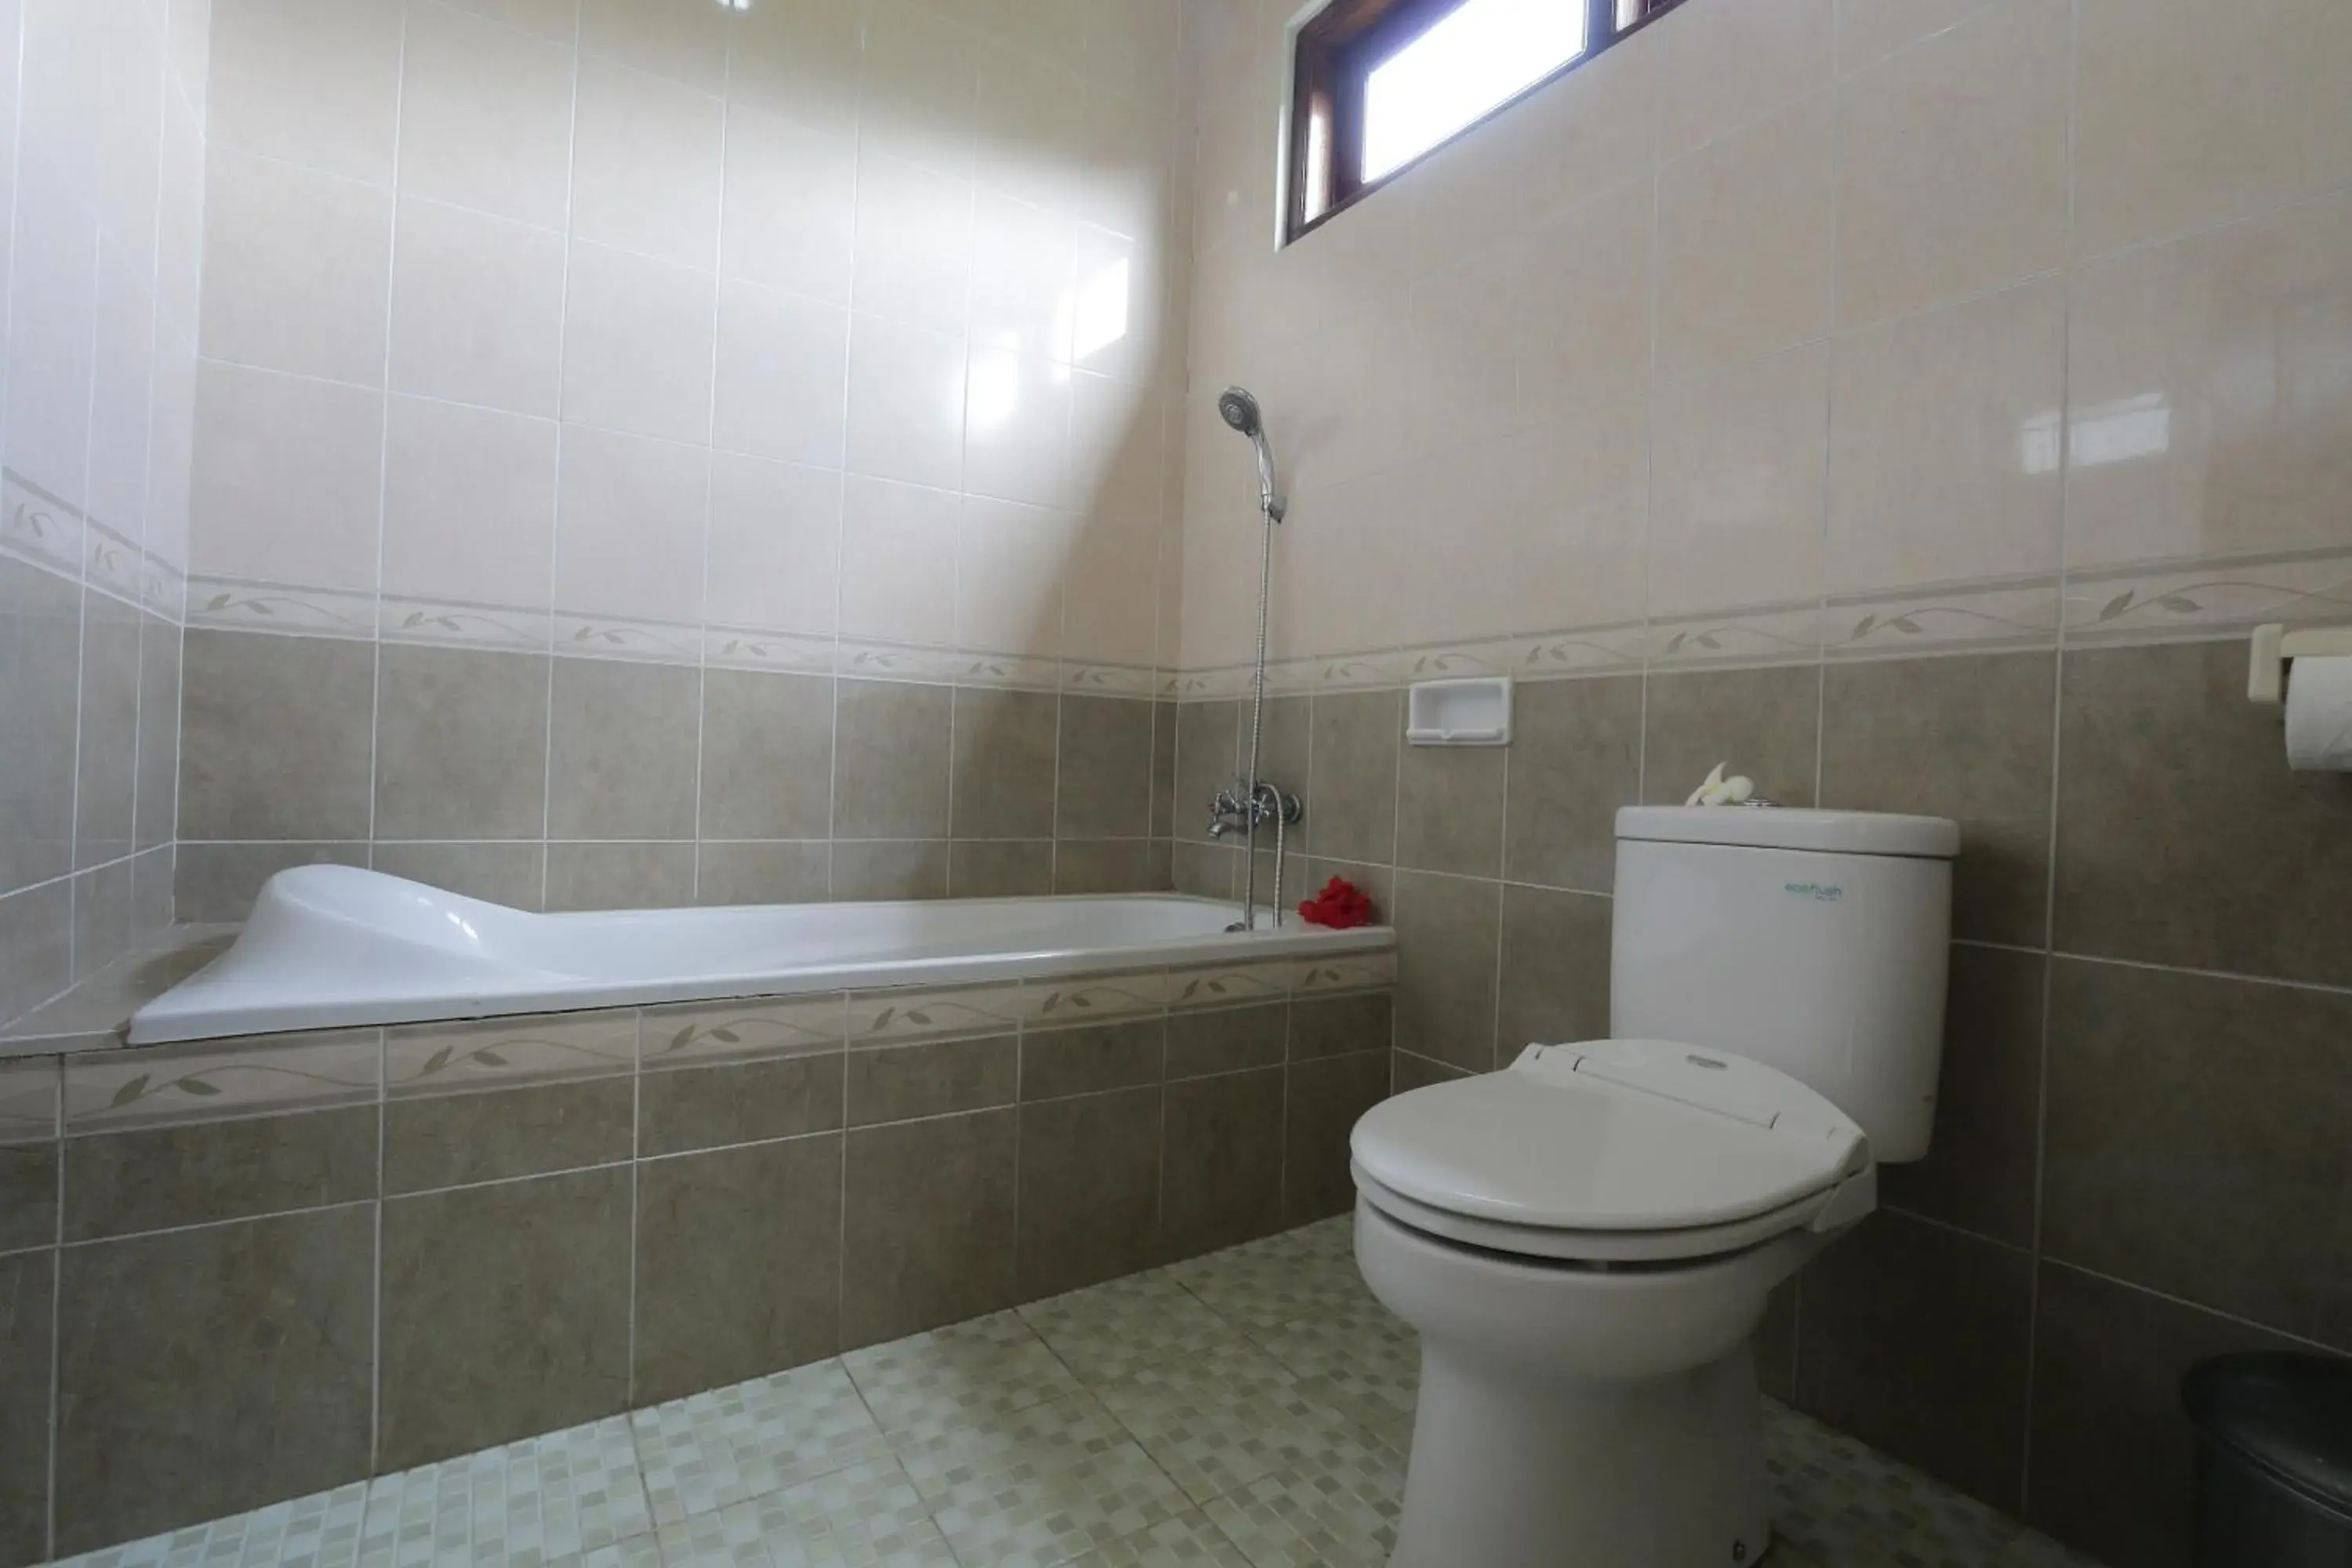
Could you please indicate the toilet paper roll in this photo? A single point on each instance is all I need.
(2319, 715)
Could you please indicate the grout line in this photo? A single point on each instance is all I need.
(555, 532)
(382, 389)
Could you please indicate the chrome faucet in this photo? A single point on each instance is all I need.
(1241, 806)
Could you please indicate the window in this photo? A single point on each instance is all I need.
(1379, 83)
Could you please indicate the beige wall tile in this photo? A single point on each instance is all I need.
(1016, 429)
(1944, 450)
(637, 344)
(782, 371)
(1736, 516)
(1583, 319)
(1009, 564)
(646, 171)
(775, 545)
(478, 309)
(287, 481)
(913, 248)
(906, 402)
(485, 116)
(2192, 116)
(1743, 64)
(798, 59)
(629, 526)
(790, 206)
(468, 504)
(2207, 411)
(1744, 233)
(298, 261)
(1953, 172)
(317, 81)
(897, 561)
(1030, 126)
(1870, 30)
(681, 39)
(921, 78)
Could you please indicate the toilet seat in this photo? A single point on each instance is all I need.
(1615, 1152)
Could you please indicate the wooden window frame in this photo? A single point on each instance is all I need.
(1337, 48)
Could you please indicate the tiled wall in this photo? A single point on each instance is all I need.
(738, 348)
(102, 136)
(1793, 326)
(383, 1247)
(571, 783)
(2144, 1139)
(1787, 343)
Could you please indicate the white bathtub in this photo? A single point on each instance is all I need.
(332, 947)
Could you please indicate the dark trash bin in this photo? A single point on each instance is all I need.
(2273, 1460)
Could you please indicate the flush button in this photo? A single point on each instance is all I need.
(1707, 1062)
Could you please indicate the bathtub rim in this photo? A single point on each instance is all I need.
(159, 1022)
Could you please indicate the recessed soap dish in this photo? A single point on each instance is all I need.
(1472, 712)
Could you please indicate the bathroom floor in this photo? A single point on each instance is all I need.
(1248, 1408)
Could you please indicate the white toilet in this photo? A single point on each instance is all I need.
(1586, 1239)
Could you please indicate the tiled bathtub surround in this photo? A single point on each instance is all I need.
(832, 333)
(575, 783)
(385, 1247)
(103, 121)
(2143, 1138)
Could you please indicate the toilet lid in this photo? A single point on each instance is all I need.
(1612, 1135)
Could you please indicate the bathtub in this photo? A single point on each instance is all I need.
(332, 947)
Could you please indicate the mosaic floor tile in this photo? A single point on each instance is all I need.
(708, 1451)
(971, 1370)
(1109, 1330)
(1370, 1359)
(1040, 1485)
(1262, 1285)
(1228, 1419)
(869, 1516)
(321, 1531)
(531, 1503)
(1189, 1540)
(637, 1552)
(1290, 1522)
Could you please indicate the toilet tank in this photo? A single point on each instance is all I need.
(1813, 942)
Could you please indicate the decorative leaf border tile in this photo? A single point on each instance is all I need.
(745, 647)
(455, 623)
(1772, 633)
(422, 1060)
(1094, 999)
(39, 529)
(701, 1032)
(902, 1014)
(1347, 972)
(234, 604)
(31, 1092)
(625, 640)
(2022, 615)
(2189, 600)
(213, 1082)
(1097, 678)
(1230, 984)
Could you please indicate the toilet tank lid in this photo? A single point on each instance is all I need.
(1783, 827)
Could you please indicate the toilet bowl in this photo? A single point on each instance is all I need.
(1586, 1240)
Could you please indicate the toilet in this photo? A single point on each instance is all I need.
(1585, 1240)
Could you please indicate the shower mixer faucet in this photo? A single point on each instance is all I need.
(1238, 807)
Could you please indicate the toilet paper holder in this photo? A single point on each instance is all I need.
(2275, 646)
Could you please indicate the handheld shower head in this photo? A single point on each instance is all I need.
(1239, 409)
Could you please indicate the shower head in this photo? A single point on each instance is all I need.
(1239, 409)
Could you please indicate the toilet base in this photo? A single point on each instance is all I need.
(1580, 1417)
(1509, 1472)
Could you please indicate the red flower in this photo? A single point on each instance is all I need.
(1340, 905)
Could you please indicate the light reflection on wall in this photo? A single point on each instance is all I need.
(2101, 434)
